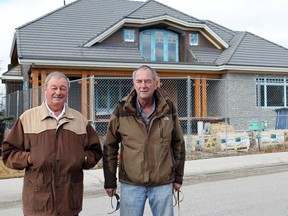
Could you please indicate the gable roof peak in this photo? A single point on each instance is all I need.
(175, 10)
(153, 8)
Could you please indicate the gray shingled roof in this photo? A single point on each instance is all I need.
(61, 35)
(15, 73)
(256, 51)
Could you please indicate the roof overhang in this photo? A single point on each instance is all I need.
(203, 28)
(167, 67)
(11, 78)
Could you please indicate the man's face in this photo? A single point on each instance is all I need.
(144, 84)
(56, 92)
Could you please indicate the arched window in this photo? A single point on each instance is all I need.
(159, 45)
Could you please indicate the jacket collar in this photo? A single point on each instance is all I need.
(160, 98)
(44, 113)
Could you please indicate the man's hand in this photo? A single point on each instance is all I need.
(29, 160)
(110, 191)
(177, 186)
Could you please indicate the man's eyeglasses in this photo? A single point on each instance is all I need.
(117, 197)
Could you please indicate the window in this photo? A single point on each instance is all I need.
(194, 39)
(129, 35)
(271, 92)
(159, 45)
(108, 93)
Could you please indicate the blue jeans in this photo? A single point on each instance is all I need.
(133, 199)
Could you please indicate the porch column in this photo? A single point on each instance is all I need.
(84, 94)
(200, 91)
(35, 90)
(43, 78)
(197, 91)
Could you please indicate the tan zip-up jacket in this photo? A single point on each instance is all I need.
(149, 156)
(53, 184)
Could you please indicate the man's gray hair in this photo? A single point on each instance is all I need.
(56, 74)
(154, 73)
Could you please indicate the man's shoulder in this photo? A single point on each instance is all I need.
(75, 114)
(31, 111)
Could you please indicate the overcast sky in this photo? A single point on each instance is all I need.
(265, 18)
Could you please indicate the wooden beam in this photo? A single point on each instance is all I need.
(91, 99)
(204, 97)
(35, 93)
(197, 91)
(43, 74)
(84, 94)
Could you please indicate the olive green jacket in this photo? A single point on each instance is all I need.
(148, 156)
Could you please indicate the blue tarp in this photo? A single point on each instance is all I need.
(281, 118)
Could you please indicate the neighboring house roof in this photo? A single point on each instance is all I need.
(14, 74)
(72, 35)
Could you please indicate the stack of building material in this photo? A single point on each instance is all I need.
(220, 136)
(234, 141)
(206, 143)
(220, 128)
(269, 138)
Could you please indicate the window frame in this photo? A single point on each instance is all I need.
(194, 39)
(264, 84)
(152, 49)
(129, 35)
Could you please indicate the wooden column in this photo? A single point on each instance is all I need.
(43, 77)
(91, 98)
(200, 91)
(35, 81)
(197, 87)
(204, 97)
(84, 94)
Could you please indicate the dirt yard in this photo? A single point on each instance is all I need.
(5, 172)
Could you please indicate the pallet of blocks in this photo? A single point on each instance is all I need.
(269, 138)
(285, 131)
(234, 141)
(189, 145)
(206, 142)
(217, 128)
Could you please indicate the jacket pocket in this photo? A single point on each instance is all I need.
(37, 195)
(76, 195)
(163, 157)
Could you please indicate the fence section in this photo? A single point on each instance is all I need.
(215, 114)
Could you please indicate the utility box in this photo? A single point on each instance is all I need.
(257, 125)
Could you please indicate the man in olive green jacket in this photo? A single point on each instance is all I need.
(152, 152)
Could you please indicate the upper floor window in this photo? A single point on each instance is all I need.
(271, 92)
(193, 39)
(159, 45)
(129, 35)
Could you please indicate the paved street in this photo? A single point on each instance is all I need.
(204, 179)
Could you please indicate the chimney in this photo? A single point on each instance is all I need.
(10, 66)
